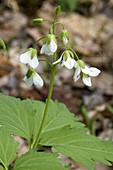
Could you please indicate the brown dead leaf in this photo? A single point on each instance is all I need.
(5, 66)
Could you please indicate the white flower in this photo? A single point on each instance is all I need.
(50, 45)
(64, 36)
(33, 77)
(30, 58)
(68, 60)
(85, 73)
(65, 40)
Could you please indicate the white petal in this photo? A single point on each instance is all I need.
(75, 64)
(52, 46)
(37, 80)
(77, 78)
(24, 58)
(86, 70)
(69, 63)
(33, 63)
(77, 72)
(43, 49)
(87, 80)
(65, 40)
(28, 81)
(58, 60)
(94, 71)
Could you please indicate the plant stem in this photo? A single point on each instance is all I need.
(60, 24)
(47, 105)
(38, 41)
(49, 94)
(66, 46)
(46, 62)
(48, 20)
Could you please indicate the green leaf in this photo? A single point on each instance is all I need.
(85, 116)
(16, 117)
(23, 118)
(9, 3)
(82, 148)
(33, 160)
(8, 149)
(67, 4)
(58, 116)
(110, 108)
(2, 44)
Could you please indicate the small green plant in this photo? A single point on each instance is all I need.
(67, 4)
(89, 124)
(2, 44)
(110, 108)
(50, 123)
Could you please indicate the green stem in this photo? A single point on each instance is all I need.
(49, 94)
(48, 20)
(60, 24)
(55, 24)
(60, 39)
(46, 62)
(47, 106)
(70, 49)
(38, 41)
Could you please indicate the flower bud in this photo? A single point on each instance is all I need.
(81, 64)
(29, 72)
(49, 45)
(50, 38)
(64, 36)
(57, 11)
(38, 20)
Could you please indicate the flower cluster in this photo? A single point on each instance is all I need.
(81, 70)
(66, 59)
(30, 58)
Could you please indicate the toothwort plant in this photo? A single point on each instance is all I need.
(49, 124)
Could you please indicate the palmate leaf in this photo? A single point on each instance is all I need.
(15, 116)
(84, 149)
(58, 116)
(33, 160)
(8, 149)
(23, 118)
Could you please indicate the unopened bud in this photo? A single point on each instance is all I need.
(81, 63)
(38, 20)
(57, 11)
(64, 33)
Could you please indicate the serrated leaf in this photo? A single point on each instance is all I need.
(15, 116)
(82, 148)
(33, 160)
(8, 148)
(23, 118)
(58, 116)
